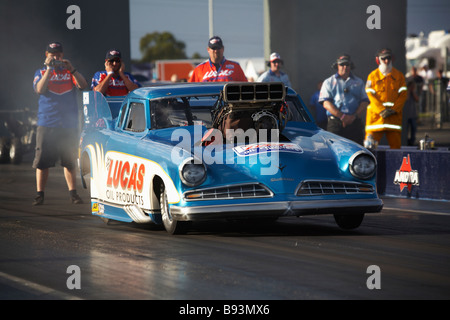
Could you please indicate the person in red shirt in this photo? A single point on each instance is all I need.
(114, 81)
(217, 68)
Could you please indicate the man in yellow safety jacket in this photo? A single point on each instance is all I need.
(387, 92)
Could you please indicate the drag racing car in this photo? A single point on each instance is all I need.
(178, 153)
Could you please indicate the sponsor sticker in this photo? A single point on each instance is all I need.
(85, 97)
(259, 148)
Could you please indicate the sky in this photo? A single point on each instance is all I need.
(240, 23)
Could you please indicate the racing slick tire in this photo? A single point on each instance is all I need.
(15, 151)
(4, 150)
(349, 221)
(172, 226)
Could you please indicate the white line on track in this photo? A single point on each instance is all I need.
(417, 211)
(32, 286)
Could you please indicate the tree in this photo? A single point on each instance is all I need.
(160, 46)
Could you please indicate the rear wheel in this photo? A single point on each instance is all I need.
(349, 221)
(172, 226)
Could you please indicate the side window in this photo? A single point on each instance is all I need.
(122, 115)
(296, 110)
(136, 118)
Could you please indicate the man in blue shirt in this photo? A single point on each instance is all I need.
(344, 97)
(57, 131)
(274, 74)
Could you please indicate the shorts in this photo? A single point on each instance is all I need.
(53, 144)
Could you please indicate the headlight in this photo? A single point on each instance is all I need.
(192, 174)
(362, 165)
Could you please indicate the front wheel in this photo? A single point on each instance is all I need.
(172, 226)
(349, 221)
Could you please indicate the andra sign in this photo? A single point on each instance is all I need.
(406, 176)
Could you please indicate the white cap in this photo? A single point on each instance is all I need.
(275, 56)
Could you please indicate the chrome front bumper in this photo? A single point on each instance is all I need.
(284, 208)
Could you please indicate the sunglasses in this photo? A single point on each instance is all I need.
(345, 64)
(114, 60)
(386, 58)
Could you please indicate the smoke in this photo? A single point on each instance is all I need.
(28, 26)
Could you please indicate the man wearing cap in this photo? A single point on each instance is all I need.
(387, 91)
(274, 74)
(344, 98)
(217, 68)
(57, 125)
(114, 81)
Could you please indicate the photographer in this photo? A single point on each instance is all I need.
(114, 81)
(57, 131)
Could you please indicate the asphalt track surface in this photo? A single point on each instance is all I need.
(305, 258)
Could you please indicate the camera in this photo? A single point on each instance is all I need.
(57, 64)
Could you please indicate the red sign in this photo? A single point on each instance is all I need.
(126, 175)
(405, 176)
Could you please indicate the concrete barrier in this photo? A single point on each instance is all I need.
(412, 173)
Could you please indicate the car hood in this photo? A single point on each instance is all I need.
(304, 153)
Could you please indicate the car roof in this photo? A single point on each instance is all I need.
(177, 89)
(167, 90)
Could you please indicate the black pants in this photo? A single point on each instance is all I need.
(354, 131)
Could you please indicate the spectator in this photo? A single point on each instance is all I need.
(410, 111)
(274, 74)
(386, 89)
(57, 124)
(427, 75)
(174, 78)
(443, 79)
(320, 114)
(414, 75)
(344, 98)
(217, 68)
(114, 81)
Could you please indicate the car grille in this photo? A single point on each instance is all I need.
(241, 191)
(318, 188)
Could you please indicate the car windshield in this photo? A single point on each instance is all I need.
(182, 111)
(197, 110)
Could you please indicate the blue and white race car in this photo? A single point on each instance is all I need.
(178, 153)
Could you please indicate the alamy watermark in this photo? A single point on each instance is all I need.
(74, 20)
(374, 20)
(374, 280)
(74, 280)
(251, 147)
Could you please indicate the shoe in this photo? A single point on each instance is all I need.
(38, 200)
(76, 199)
